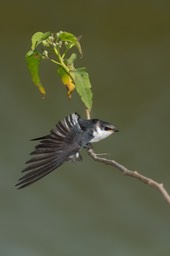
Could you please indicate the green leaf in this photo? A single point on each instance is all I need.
(71, 60)
(33, 59)
(73, 40)
(83, 86)
(38, 38)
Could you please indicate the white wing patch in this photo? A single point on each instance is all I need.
(64, 126)
(71, 120)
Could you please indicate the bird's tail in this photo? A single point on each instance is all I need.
(39, 166)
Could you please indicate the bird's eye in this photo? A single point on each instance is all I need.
(107, 128)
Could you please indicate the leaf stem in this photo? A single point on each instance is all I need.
(62, 63)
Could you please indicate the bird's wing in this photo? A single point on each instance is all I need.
(53, 150)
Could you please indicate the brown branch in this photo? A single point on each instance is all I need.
(134, 174)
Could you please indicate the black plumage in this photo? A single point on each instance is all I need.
(53, 150)
(63, 144)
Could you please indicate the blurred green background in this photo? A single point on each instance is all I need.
(88, 208)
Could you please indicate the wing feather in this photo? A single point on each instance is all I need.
(53, 150)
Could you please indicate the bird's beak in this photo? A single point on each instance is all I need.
(115, 130)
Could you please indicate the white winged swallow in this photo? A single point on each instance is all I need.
(63, 144)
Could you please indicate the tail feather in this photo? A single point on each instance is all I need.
(41, 157)
(38, 163)
(42, 150)
(36, 174)
(27, 182)
(37, 171)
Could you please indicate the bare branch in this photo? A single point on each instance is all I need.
(134, 174)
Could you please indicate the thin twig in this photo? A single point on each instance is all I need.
(134, 174)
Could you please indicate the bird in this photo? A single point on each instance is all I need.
(63, 144)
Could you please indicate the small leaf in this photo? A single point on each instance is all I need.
(71, 60)
(38, 38)
(67, 80)
(73, 40)
(33, 62)
(83, 86)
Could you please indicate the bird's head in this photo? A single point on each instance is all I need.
(102, 130)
